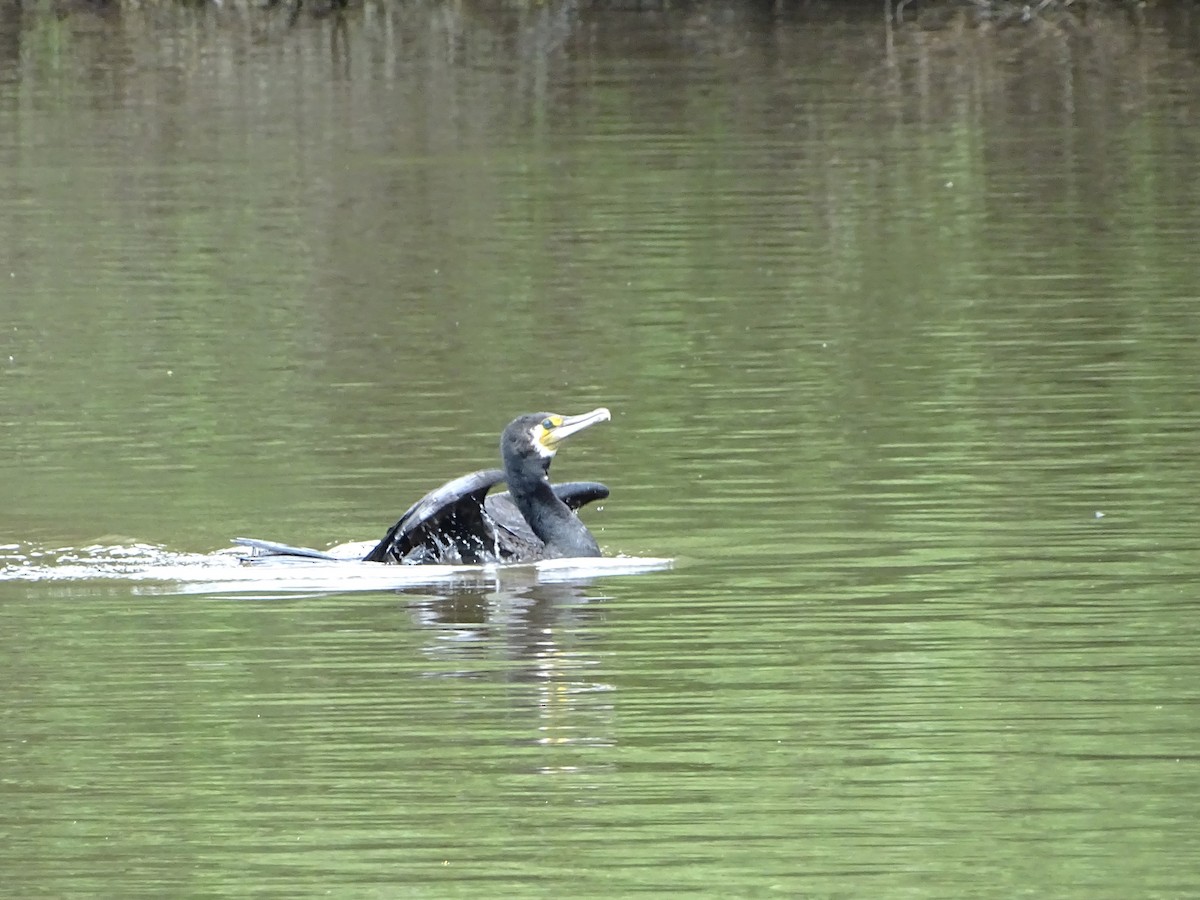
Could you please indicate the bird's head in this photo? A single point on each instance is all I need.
(539, 434)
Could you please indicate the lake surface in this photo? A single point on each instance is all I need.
(901, 334)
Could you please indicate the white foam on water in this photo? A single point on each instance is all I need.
(157, 570)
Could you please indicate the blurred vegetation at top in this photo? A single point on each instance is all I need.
(926, 14)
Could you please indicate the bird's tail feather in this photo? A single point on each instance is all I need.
(264, 549)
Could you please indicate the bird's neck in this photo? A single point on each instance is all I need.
(551, 520)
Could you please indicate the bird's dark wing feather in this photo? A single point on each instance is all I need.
(577, 493)
(447, 525)
(457, 523)
(573, 493)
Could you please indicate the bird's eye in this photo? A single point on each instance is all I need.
(548, 424)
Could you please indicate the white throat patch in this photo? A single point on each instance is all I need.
(535, 434)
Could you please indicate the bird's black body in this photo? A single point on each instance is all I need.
(460, 522)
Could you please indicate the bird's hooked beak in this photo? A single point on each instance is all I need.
(554, 429)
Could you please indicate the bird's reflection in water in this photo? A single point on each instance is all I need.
(540, 637)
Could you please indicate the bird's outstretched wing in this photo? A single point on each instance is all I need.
(448, 525)
(458, 523)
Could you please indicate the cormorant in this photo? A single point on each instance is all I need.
(460, 523)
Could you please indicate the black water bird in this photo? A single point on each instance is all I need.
(460, 522)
